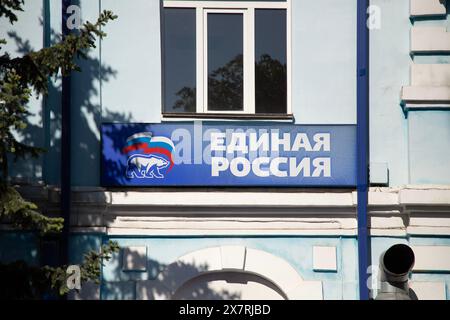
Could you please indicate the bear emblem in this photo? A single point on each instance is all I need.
(146, 166)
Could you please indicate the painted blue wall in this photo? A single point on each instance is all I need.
(119, 84)
(37, 26)
(19, 246)
(324, 61)
(415, 146)
(133, 50)
(24, 36)
(429, 131)
(297, 251)
(429, 147)
(80, 244)
(122, 82)
(389, 71)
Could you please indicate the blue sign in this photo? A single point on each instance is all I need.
(228, 155)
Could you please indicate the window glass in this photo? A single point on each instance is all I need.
(270, 59)
(225, 62)
(179, 60)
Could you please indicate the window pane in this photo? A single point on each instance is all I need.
(225, 62)
(271, 57)
(179, 60)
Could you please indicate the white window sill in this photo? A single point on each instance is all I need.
(179, 117)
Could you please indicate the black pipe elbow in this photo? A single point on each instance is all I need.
(396, 264)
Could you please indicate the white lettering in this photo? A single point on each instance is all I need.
(301, 142)
(219, 165)
(322, 167)
(256, 166)
(277, 141)
(244, 163)
(262, 142)
(304, 165)
(218, 141)
(275, 167)
(322, 141)
(238, 143)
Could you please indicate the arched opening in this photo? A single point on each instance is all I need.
(229, 272)
(229, 286)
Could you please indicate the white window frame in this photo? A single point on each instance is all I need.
(248, 11)
(249, 81)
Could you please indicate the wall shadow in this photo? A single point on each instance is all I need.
(158, 281)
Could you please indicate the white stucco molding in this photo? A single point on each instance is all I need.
(410, 209)
(429, 195)
(324, 258)
(233, 257)
(430, 40)
(134, 258)
(431, 258)
(230, 258)
(379, 197)
(431, 75)
(429, 89)
(426, 94)
(232, 226)
(283, 275)
(425, 197)
(233, 199)
(429, 290)
(264, 198)
(421, 8)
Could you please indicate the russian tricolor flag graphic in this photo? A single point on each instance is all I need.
(144, 142)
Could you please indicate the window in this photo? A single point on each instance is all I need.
(226, 57)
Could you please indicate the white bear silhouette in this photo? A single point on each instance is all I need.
(146, 166)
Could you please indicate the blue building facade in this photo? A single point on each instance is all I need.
(191, 88)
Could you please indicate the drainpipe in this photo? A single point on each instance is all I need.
(363, 145)
(65, 147)
(395, 267)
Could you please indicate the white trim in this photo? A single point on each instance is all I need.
(88, 230)
(227, 4)
(424, 197)
(409, 210)
(245, 45)
(289, 56)
(431, 258)
(249, 61)
(243, 233)
(203, 8)
(427, 8)
(426, 39)
(324, 258)
(427, 231)
(244, 226)
(426, 94)
(200, 103)
(134, 258)
(429, 290)
(212, 119)
(232, 199)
